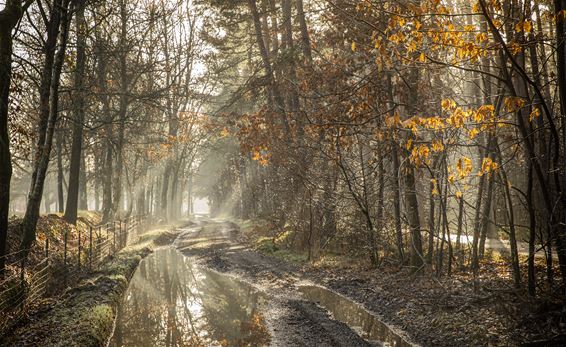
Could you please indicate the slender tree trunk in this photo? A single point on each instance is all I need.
(396, 173)
(411, 200)
(532, 233)
(413, 218)
(305, 38)
(459, 249)
(79, 115)
(431, 227)
(49, 103)
(165, 190)
(512, 233)
(60, 192)
(9, 17)
(83, 191)
(123, 108)
(279, 103)
(190, 210)
(477, 223)
(291, 68)
(380, 194)
(559, 7)
(485, 216)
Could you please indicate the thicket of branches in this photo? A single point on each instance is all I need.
(101, 109)
(402, 129)
(397, 126)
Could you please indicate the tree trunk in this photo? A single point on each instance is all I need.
(9, 17)
(60, 174)
(107, 155)
(123, 109)
(559, 7)
(395, 153)
(431, 227)
(532, 233)
(305, 39)
(79, 115)
(279, 103)
(49, 104)
(512, 233)
(459, 249)
(413, 218)
(83, 191)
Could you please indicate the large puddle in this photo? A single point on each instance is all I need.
(171, 302)
(367, 325)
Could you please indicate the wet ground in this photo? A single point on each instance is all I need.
(172, 302)
(209, 289)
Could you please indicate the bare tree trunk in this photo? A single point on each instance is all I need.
(485, 217)
(9, 17)
(123, 108)
(431, 227)
(305, 38)
(512, 233)
(413, 218)
(395, 153)
(190, 209)
(83, 191)
(49, 104)
(60, 193)
(108, 129)
(79, 115)
(163, 208)
(411, 200)
(459, 250)
(532, 233)
(559, 7)
(279, 103)
(291, 68)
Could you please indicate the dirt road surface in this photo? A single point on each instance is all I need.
(291, 319)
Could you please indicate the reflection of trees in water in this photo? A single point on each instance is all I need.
(170, 302)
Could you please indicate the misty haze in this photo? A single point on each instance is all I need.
(282, 173)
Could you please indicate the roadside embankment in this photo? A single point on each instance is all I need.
(84, 315)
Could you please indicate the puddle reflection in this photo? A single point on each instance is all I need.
(171, 302)
(344, 310)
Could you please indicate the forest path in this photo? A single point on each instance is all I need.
(291, 320)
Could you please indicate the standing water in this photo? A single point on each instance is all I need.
(367, 325)
(171, 302)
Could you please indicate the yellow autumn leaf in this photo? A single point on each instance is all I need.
(451, 179)
(527, 27)
(473, 133)
(487, 167)
(446, 104)
(534, 114)
(437, 146)
(513, 104)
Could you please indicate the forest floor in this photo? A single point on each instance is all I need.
(423, 310)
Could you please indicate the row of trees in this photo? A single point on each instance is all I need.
(101, 104)
(403, 128)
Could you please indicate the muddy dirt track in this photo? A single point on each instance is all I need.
(292, 320)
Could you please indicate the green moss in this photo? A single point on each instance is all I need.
(266, 246)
